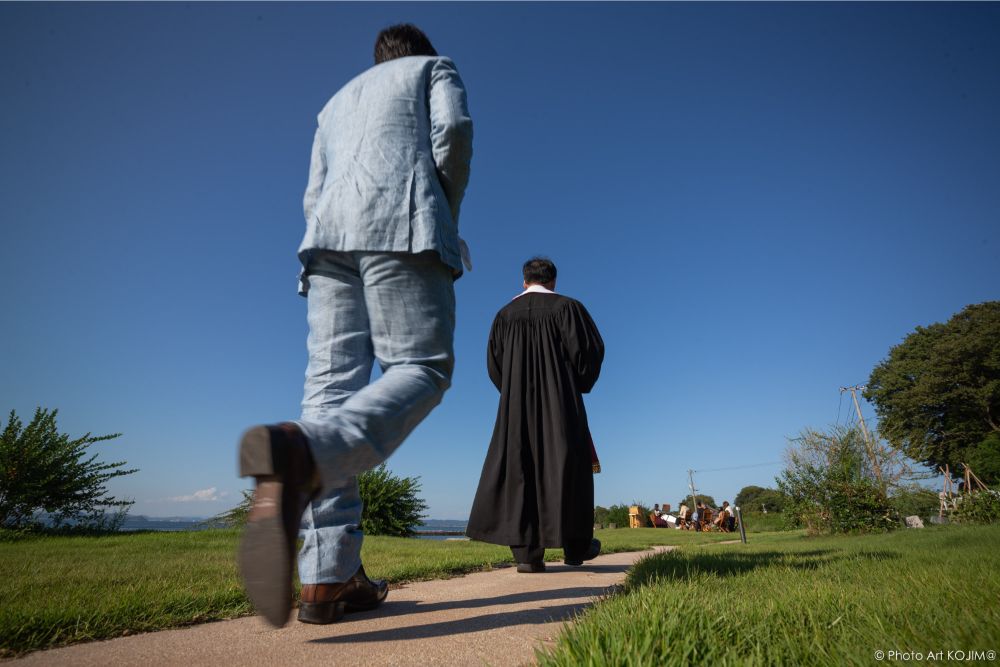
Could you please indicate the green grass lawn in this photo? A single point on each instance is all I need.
(782, 599)
(785, 599)
(60, 590)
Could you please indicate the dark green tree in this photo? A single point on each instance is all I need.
(937, 394)
(984, 459)
(699, 498)
(755, 498)
(43, 470)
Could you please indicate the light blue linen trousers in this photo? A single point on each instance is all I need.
(399, 309)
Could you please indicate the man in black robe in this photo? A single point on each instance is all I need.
(537, 485)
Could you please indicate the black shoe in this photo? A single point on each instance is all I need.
(326, 603)
(531, 567)
(592, 553)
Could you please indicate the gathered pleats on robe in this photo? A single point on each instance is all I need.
(537, 485)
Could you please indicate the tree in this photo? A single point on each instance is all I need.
(756, 498)
(937, 394)
(42, 470)
(699, 498)
(832, 486)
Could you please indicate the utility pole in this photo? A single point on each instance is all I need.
(876, 467)
(694, 501)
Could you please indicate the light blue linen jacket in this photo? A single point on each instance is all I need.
(390, 163)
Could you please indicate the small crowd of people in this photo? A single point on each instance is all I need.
(701, 518)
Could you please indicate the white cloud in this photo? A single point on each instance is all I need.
(203, 495)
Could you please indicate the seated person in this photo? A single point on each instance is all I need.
(721, 519)
(705, 517)
(656, 518)
(683, 516)
(731, 521)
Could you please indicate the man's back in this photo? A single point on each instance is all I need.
(391, 162)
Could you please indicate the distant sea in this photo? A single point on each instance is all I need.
(140, 522)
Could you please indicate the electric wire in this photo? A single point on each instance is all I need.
(754, 465)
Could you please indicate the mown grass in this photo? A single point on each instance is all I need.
(785, 599)
(67, 589)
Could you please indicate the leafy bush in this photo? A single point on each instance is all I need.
(391, 504)
(978, 507)
(830, 487)
(44, 471)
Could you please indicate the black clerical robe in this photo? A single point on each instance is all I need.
(537, 484)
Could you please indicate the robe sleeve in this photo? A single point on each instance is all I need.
(583, 344)
(494, 353)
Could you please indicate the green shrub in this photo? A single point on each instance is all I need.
(978, 507)
(391, 504)
(830, 487)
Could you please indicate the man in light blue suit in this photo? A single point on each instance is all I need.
(390, 163)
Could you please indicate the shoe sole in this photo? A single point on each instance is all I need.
(264, 559)
(266, 567)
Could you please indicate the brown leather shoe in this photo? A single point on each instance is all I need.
(359, 593)
(279, 458)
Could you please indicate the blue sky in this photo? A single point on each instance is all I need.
(755, 202)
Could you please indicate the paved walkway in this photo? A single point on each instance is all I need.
(486, 618)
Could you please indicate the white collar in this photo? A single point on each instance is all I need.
(539, 289)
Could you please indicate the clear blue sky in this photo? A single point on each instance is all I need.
(755, 201)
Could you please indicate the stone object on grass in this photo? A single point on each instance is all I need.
(914, 521)
(939, 519)
(612, 525)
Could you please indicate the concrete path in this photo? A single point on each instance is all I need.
(487, 618)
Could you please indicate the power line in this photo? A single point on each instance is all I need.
(754, 465)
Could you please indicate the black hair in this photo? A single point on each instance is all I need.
(539, 271)
(399, 41)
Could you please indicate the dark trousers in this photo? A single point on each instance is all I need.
(572, 550)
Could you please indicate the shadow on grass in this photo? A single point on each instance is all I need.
(677, 566)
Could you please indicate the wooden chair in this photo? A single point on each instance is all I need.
(705, 519)
(633, 517)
